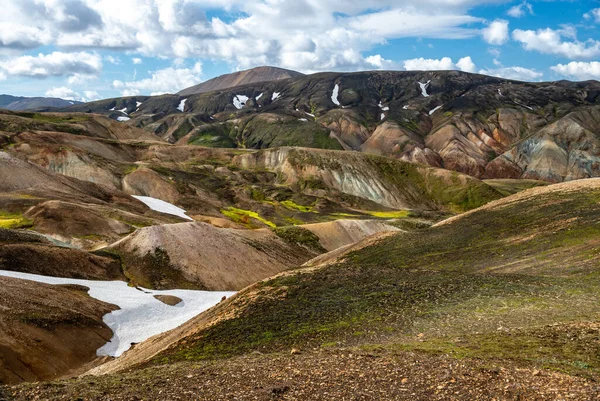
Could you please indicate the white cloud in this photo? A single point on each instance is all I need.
(579, 71)
(520, 10)
(445, 63)
(168, 80)
(516, 73)
(113, 60)
(593, 15)
(136, 60)
(496, 33)
(90, 96)
(303, 34)
(54, 65)
(549, 41)
(466, 64)
(63, 93)
(66, 93)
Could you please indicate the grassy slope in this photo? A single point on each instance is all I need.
(518, 280)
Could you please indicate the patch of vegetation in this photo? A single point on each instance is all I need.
(291, 205)
(300, 236)
(390, 214)
(245, 217)
(14, 220)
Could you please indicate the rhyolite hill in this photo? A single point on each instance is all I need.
(482, 126)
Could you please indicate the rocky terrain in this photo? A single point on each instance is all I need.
(420, 313)
(482, 126)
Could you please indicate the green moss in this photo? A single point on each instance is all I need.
(392, 214)
(245, 217)
(300, 236)
(14, 221)
(291, 205)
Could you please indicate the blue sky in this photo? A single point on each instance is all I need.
(92, 49)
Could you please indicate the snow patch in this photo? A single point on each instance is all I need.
(124, 111)
(309, 114)
(239, 101)
(520, 104)
(424, 88)
(258, 97)
(162, 206)
(181, 106)
(405, 107)
(500, 92)
(141, 315)
(275, 96)
(382, 116)
(123, 119)
(434, 110)
(334, 95)
(382, 107)
(137, 106)
(113, 109)
(303, 119)
(71, 103)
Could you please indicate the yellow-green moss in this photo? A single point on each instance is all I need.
(243, 217)
(12, 221)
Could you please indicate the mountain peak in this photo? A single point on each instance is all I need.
(253, 75)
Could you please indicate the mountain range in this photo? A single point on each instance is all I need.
(482, 126)
(17, 103)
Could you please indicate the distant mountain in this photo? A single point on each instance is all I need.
(17, 103)
(482, 126)
(254, 75)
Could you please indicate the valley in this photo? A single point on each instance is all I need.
(275, 235)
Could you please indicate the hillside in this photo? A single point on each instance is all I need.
(18, 103)
(254, 75)
(526, 311)
(482, 126)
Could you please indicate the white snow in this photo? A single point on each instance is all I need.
(181, 106)
(141, 315)
(334, 95)
(275, 96)
(382, 107)
(434, 110)
(303, 119)
(124, 111)
(258, 97)
(382, 116)
(309, 114)
(520, 104)
(113, 109)
(424, 88)
(239, 101)
(71, 103)
(137, 106)
(123, 119)
(405, 107)
(499, 92)
(162, 206)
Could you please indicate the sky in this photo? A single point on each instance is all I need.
(91, 49)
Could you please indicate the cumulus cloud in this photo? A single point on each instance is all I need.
(302, 34)
(520, 10)
(593, 15)
(496, 33)
(549, 41)
(55, 64)
(168, 80)
(63, 93)
(516, 73)
(579, 71)
(445, 63)
(136, 60)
